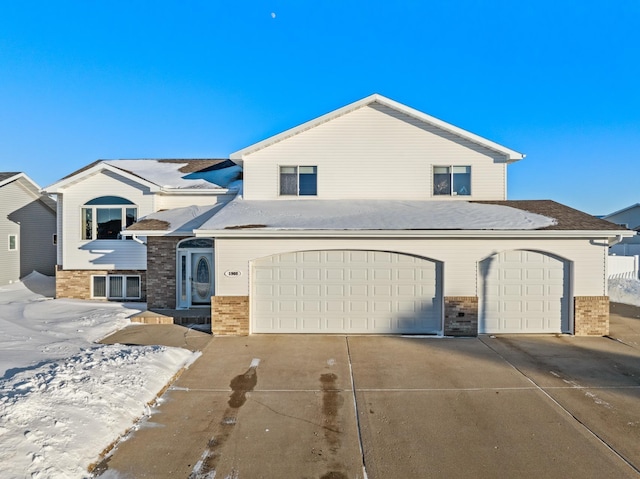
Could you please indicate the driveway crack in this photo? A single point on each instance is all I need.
(355, 406)
(569, 413)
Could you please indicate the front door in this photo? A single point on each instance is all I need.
(195, 277)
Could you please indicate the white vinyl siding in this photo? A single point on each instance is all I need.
(167, 202)
(460, 258)
(102, 254)
(375, 152)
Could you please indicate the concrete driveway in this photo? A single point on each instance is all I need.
(335, 407)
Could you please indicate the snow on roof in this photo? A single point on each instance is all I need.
(177, 220)
(372, 215)
(181, 174)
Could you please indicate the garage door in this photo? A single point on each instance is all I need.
(523, 292)
(345, 292)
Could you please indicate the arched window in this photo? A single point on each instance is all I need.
(106, 216)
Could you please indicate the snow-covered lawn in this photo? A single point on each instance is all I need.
(625, 291)
(64, 398)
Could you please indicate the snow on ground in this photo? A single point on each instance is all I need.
(64, 398)
(625, 291)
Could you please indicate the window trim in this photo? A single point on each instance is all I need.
(297, 173)
(451, 193)
(123, 207)
(15, 242)
(108, 295)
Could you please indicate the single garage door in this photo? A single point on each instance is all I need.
(523, 292)
(345, 292)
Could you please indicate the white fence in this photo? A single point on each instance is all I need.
(623, 267)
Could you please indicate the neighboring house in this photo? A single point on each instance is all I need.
(27, 229)
(628, 217)
(374, 218)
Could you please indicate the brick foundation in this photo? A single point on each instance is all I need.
(591, 315)
(461, 316)
(76, 283)
(161, 269)
(230, 315)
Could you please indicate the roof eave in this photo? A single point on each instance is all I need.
(540, 233)
(59, 186)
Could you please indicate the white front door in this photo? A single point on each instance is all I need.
(195, 277)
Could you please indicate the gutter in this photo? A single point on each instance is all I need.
(503, 234)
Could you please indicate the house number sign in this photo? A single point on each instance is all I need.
(231, 273)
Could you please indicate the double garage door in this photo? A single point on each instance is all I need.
(346, 291)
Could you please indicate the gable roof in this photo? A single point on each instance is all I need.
(623, 210)
(7, 177)
(510, 154)
(160, 174)
(29, 184)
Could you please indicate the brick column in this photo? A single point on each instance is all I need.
(591, 315)
(161, 271)
(230, 315)
(461, 316)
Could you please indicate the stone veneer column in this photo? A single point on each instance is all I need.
(230, 315)
(161, 271)
(461, 316)
(591, 315)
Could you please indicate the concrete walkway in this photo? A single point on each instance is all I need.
(306, 406)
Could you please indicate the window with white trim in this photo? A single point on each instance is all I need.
(105, 217)
(298, 180)
(13, 242)
(452, 180)
(115, 286)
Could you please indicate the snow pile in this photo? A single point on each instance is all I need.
(374, 215)
(183, 220)
(63, 398)
(625, 291)
(223, 177)
(167, 174)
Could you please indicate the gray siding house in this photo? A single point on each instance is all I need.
(27, 229)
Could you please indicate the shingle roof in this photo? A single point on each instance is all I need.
(566, 218)
(6, 176)
(191, 165)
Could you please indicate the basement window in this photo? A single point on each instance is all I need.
(118, 287)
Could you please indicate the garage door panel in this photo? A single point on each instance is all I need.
(523, 291)
(358, 274)
(351, 291)
(357, 306)
(358, 289)
(335, 274)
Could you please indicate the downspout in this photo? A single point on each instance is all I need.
(138, 240)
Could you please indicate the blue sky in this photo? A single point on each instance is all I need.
(557, 80)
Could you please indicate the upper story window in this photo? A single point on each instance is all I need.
(106, 216)
(298, 180)
(452, 180)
